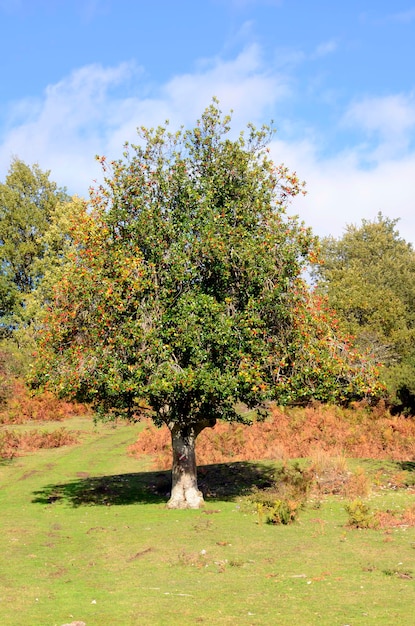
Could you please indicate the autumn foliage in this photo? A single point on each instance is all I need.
(23, 406)
(357, 432)
(13, 443)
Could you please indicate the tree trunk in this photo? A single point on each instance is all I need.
(185, 493)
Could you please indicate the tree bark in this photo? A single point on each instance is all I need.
(185, 493)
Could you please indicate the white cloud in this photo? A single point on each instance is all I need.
(95, 109)
(389, 121)
(69, 125)
(389, 115)
(88, 112)
(241, 84)
(325, 48)
(341, 192)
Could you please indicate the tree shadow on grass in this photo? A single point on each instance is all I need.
(222, 481)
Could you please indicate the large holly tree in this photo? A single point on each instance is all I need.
(184, 297)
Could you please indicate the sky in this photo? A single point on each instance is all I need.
(337, 79)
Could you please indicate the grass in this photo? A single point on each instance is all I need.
(85, 536)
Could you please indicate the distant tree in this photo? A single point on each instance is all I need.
(56, 244)
(185, 297)
(27, 200)
(369, 278)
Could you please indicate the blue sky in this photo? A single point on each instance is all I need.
(337, 78)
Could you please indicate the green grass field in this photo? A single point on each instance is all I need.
(85, 536)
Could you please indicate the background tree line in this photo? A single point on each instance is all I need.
(35, 223)
(368, 275)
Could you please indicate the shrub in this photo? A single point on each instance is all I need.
(294, 481)
(22, 406)
(14, 444)
(360, 515)
(396, 519)
(360, 431)
(281, 503)
(330, 471)
(358, 484)
(283, 512)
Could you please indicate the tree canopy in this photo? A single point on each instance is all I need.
(27, 201)
(184, 295)
(369, 278)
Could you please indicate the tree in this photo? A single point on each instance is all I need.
(27, 200)
(56, 243)
(185, 294)
(369, 278)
